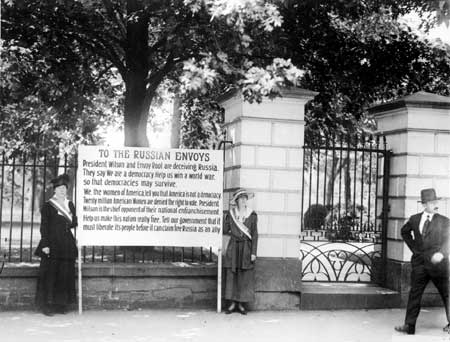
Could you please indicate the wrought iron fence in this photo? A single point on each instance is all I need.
(344, 205)
(24, 186)
(338, 261)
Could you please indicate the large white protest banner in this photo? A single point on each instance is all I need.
(140, 196)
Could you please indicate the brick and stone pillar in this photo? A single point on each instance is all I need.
(266, 157)
(417, 129)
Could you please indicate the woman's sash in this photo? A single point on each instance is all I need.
(61, 210)
(242, 227)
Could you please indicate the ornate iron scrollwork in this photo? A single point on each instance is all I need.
(338, 262)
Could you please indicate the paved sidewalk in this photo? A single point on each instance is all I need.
(179, 325)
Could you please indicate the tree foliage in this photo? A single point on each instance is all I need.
(359, 55)
(354, 54)
(51, 96)
(90, 58)
(194, 43)
(201, 119)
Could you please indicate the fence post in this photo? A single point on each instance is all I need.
(266, 158)
(417, 129)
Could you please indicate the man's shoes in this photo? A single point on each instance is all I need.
(406, 328)
(447, 328)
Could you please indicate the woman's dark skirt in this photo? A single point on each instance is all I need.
(240, 285)
(56, 283)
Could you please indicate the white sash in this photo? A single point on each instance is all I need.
(242, 227)
(61, 209)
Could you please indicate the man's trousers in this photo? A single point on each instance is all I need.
(420, 277)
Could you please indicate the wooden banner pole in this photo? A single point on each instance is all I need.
(219, 280)
(80, 288)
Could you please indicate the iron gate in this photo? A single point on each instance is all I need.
(344, 208)
(24, 186)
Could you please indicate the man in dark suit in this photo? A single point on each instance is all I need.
(426, 235)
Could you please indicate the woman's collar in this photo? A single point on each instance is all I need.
(66, 201)
(246, 213)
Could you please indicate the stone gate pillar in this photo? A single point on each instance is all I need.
(267, 158)
(417, 129)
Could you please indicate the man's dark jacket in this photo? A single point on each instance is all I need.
(423, 247)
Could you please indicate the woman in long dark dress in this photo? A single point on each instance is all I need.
(239, 262)
(57, 250)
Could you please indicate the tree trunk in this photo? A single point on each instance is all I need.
(135, 116)
(176, 123)
(348, 188)
(331, 186)
(137, 68)
(331, 178)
